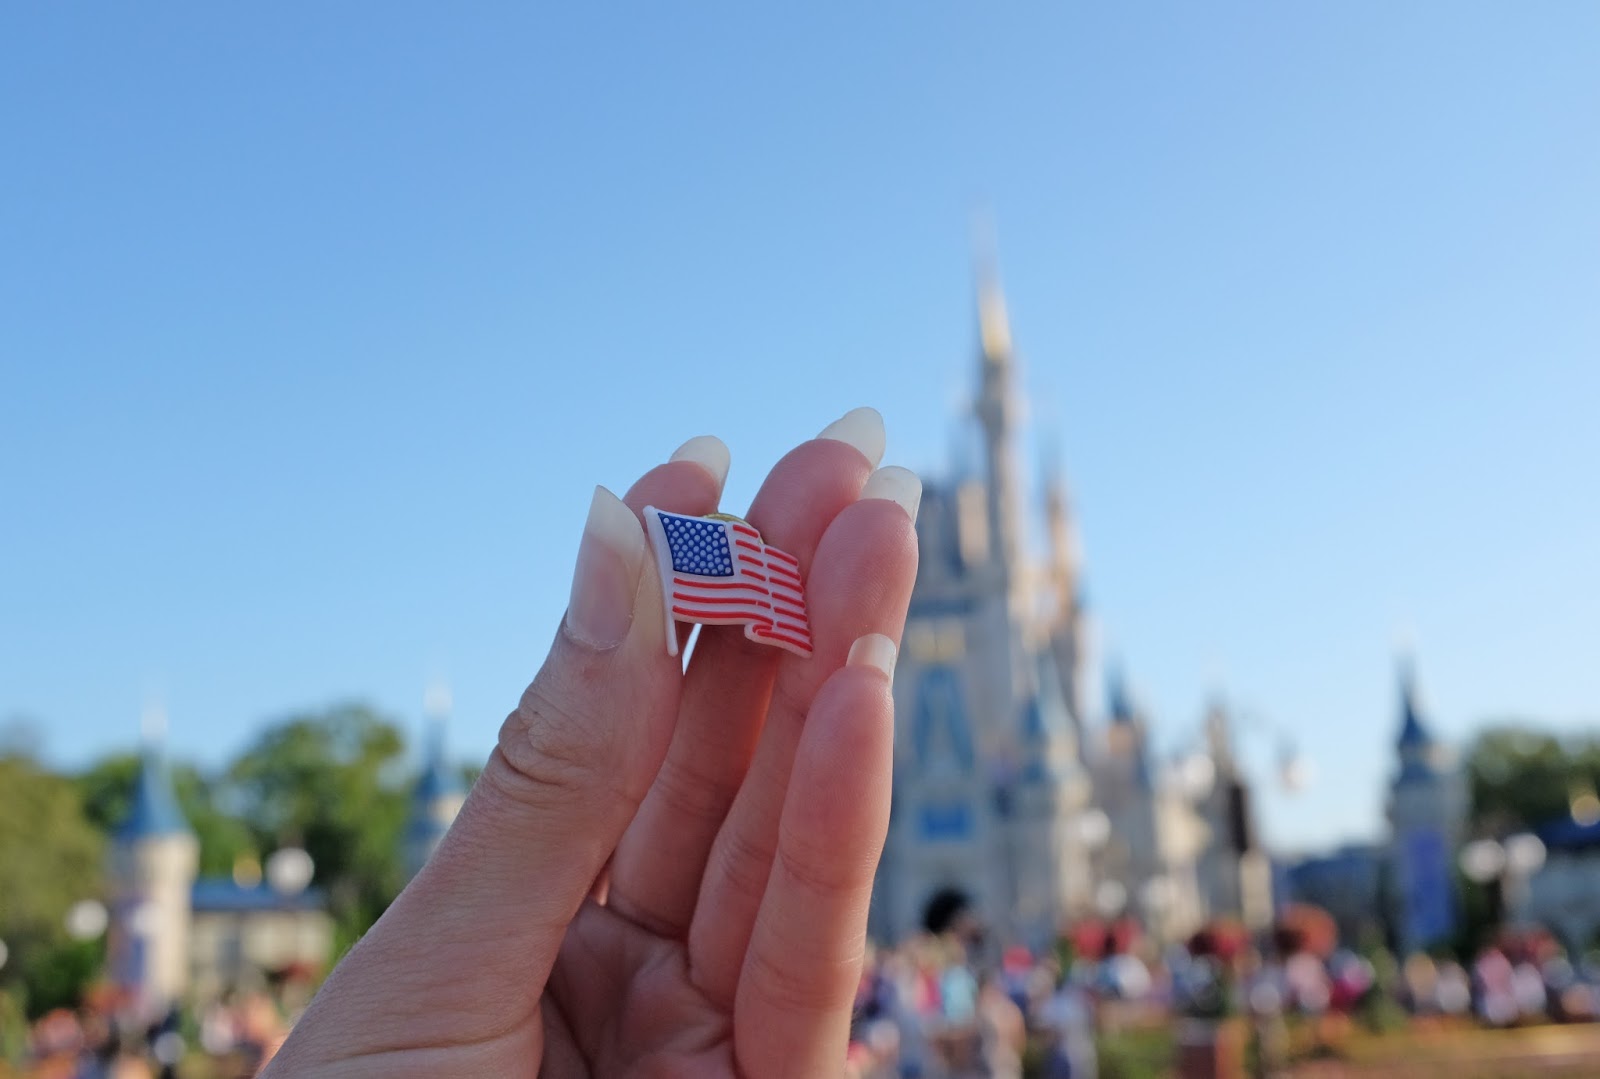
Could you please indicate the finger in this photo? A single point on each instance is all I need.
(572, 763)
(662, 856)
(860, 583)
(799, 980)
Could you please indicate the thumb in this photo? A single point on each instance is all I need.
(574, 759)
(486, 915)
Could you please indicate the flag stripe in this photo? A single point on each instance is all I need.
(690, 612)
(681, 579)
(806, 644)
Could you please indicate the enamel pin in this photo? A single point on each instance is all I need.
(715, 570)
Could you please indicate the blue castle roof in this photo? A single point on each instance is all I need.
(154, 810)
(438, 779)
(1415, 741)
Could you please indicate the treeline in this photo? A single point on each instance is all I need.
(336, 783)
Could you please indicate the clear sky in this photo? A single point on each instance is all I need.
(318, 324)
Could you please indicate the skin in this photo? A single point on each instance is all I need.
(659, 873)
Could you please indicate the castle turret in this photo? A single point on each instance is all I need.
(437, 796)
(154, 857)
(1427, 805)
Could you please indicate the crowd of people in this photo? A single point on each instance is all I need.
(946, 1007)
(952, 1006)
(105, 1039)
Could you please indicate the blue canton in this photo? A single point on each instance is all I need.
(699, 547)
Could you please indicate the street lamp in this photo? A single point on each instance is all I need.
(289, 870)
(86, 919)
(1502, 868)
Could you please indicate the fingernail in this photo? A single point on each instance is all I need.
(610, 559)
(873, 650)
(861, 428)
(899, 485)
(707, 451)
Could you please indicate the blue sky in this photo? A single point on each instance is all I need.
(319, 325)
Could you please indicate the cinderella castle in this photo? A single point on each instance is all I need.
(1009, 805)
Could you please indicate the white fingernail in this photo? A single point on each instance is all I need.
(899, 485)
(610, 559)
(873, 650)
(709, 452)
(861, 428)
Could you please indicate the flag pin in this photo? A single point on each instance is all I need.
(716, 570)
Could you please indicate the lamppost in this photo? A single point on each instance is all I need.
(1502, 869)
(87, 919)
(289, 870)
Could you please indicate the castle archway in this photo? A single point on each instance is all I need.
(944, 908)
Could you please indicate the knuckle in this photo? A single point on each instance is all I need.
(800, 984)
(746, 865)
(815, 868)
(551, 753)
(702, 795)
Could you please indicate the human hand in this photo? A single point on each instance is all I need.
(660, 872)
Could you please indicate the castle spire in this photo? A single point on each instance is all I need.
(1415, 743)
(998, 409)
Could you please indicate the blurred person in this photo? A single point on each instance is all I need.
(1453, 989)
(958, 987)
(740, 804)
(1067, 1019)
(1492, 974)
(1002, 1033)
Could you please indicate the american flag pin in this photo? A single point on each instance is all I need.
(717, 571)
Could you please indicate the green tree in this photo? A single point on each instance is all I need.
(333, 782)
(1522, 777)
(51, 856)
(107, 791)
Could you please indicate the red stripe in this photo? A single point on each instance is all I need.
(723, 600)
(789, 558)
(785, 572)
(793, 589)
(759, 619)
(743, 531)
(756, 576)
(752, 561)
(696, 583)
(803, 630)
(770, 636)
(792, 613)
(748, 546)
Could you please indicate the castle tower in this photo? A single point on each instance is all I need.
(439, 791)
(154, 858)
(1427, 806)
(986, 748)
(1125, 790)
(1066, 620)
(1235, 873)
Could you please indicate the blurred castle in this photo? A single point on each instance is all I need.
(435, 800)
(1405, 884)
(1007, 805)
(174, 936)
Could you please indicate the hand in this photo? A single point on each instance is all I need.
(660, 872)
